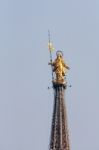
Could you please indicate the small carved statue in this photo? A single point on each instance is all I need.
(59, 67)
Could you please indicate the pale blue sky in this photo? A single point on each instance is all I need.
(25, 103)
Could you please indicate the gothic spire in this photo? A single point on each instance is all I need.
(59, 139)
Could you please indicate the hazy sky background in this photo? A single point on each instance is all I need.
(25, 102)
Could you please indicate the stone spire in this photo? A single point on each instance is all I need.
(59, 139)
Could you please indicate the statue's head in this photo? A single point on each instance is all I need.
(59, 54)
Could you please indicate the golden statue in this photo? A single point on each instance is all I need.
(59, 67)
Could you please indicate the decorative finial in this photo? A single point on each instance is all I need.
(59, 68)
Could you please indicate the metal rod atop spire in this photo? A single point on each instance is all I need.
(50, 50)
